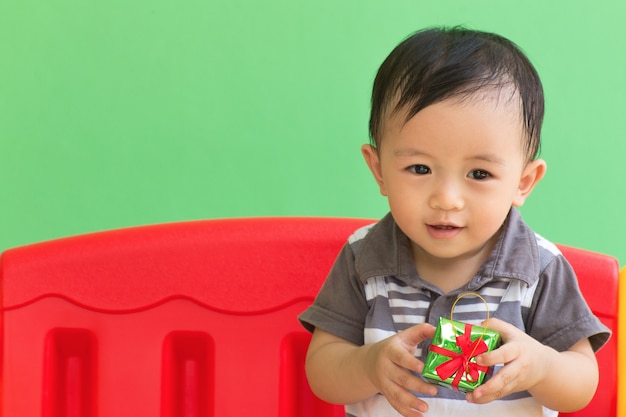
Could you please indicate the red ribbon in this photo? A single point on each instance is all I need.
(460, 363)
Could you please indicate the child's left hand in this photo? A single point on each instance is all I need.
(545, 373)
(523, 358)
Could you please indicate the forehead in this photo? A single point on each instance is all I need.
(487, 119)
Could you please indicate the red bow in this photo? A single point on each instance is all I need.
(461, 362)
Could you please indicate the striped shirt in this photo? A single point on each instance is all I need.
(374, 291)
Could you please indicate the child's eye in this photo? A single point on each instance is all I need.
(479, 174)
(419, 169)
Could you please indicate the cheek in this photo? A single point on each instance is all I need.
(407, 210)
(500, 194)
(490, 213)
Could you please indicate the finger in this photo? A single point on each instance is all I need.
(415, 334)
(406, 403)
(487, 394)
(409, 339)
(413, 383)
(506, 330)
(502, 355)
(405, 360)
(501, 384)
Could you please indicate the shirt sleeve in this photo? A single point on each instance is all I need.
(559, 316)
(340, 308)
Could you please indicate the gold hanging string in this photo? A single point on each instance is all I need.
(480, 338)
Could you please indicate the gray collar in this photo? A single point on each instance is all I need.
(386, 251)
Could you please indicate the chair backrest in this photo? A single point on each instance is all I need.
(191, 319)
(598, 278)
(185, 319)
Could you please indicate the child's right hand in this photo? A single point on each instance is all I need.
(343, 373)
(389, 364)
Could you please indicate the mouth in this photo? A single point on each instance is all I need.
(443, 231)
(443, 226)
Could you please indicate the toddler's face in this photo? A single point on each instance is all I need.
(451, 173)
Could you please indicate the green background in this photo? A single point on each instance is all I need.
(128, 112)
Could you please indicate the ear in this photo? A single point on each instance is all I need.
(532, 174)
(372, 160)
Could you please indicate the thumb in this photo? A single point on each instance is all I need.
(505, 329)
(415, 334)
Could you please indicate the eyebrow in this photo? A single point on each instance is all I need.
(404, 152)
(487, 157)
(492, 158)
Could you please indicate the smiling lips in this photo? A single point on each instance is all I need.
(443, 231)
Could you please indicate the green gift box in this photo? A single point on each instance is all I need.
(451, 360)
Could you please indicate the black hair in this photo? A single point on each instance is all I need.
(436, 64)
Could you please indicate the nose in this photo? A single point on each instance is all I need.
(447, 195)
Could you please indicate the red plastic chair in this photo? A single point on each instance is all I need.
(186, 319)
(191, 319)
(598, 277)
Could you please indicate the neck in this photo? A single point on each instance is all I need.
(449, 274)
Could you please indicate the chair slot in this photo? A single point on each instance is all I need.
(70, 372)
(188, 386)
